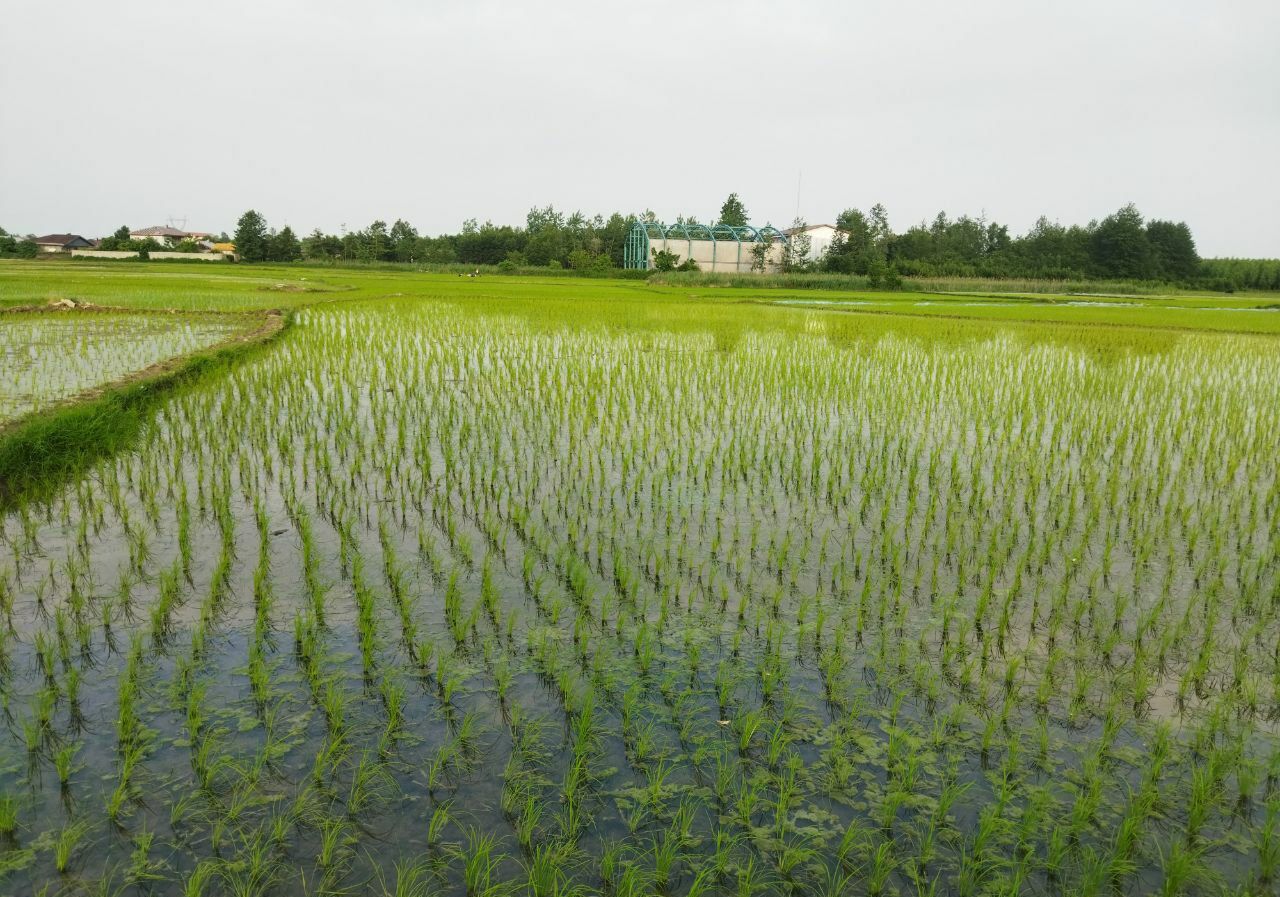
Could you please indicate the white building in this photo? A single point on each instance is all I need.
(820, 238)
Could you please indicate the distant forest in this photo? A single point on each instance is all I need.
(1121, 246)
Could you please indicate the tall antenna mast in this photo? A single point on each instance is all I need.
(177, 223)
(799, 175)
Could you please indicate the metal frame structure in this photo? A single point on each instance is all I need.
(636, 250)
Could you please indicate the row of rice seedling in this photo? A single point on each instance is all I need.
(46, 357)
(430, 599)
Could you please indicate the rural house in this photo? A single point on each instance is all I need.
(61, 243)
(166, 236)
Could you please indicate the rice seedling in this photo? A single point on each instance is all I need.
(141, 867)
(47, 357)
(412, 879)
(479, 862)
(436, 825)
(64, 845)
(859, 604)
(199, 881)
(64, 763)
(8, 816)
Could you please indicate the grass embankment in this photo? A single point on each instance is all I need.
(43, 448)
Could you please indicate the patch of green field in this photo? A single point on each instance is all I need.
(188, 287)
(495, 586)
(257, 287)
(46, 358)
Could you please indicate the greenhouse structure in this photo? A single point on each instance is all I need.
(714, 247)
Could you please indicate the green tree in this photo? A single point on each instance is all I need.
(881, 233)
(144, 248)
(251, 237)
(853, 245)
(613, 237)
(118, 239)
(1119, 246)
(404, 241)
(320, 245)
(665, 259)
(760, 254)
(996, 239)
(485, 245)
(585, 260)
(545, 245)
(441, 250)
(883, 275)
(284, 246)
(1174, 250)
(543, 219)
(1051, 250)
(796, 254)
(377, 242)
(733, 211)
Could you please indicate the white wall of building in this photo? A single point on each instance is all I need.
(180, 256)
(820, 239)
(719, 255)
(192, 256)
(103, 254)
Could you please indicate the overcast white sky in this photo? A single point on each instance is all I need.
(323, 113)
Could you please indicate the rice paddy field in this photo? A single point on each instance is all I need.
(47, 357)
(555, 587)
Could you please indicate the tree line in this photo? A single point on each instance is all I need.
(1122, 246)
(549, 238)
(15, 246)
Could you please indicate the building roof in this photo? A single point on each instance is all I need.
(59, 239)
(224, 247)
(796, 230)
(158, 232)
(691, 230)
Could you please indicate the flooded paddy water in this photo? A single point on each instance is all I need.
(427, 600)
(46, 357)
